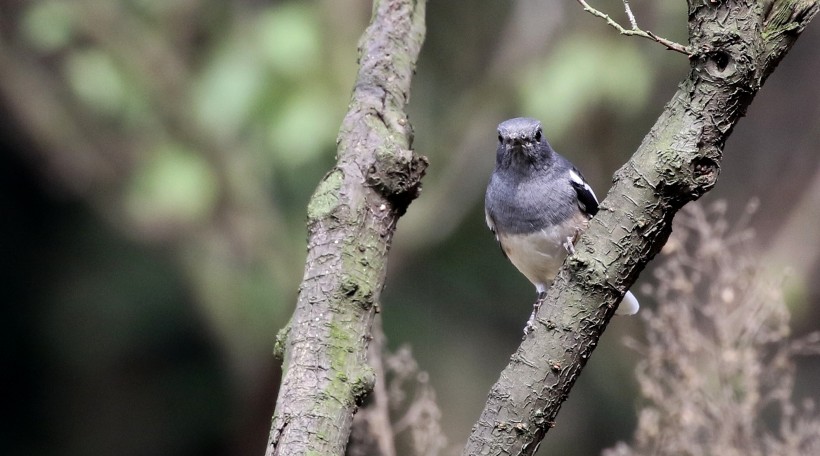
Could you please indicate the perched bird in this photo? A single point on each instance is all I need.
(537, 204)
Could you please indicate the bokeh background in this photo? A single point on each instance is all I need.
(157, 158)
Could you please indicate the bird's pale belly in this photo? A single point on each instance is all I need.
(539, 255)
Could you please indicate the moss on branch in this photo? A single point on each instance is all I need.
(351, 219)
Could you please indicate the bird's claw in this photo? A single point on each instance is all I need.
(530, 326)
(569, 245)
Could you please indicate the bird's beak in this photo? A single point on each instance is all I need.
(519, 144)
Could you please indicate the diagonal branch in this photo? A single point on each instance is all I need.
(736, 45)
(635, 30)
(351, 220)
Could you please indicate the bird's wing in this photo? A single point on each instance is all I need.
(586, 197)
(491, 225)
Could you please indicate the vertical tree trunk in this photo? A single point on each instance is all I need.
(351, 220)
(735, 46)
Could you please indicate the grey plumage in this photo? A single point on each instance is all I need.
(530, 188)
(537, 203)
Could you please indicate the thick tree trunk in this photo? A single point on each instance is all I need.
(351, 219)
(735, 46)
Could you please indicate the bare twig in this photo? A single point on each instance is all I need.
(635, 30)
(631, 16)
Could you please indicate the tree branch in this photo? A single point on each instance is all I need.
(351, 220)
(635, 30)
(736, 45)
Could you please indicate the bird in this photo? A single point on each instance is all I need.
(537, 204)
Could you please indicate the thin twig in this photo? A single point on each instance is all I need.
(631, 16)
(635, 31)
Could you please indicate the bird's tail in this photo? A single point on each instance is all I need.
(629, 305)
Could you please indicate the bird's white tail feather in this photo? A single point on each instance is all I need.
(629, 305)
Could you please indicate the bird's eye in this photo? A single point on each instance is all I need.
(500, 139)
(538, 135)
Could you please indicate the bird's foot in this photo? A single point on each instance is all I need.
(531, 322)
(530, 326)
(569, 244)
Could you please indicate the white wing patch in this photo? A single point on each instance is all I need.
(490, 224)
(580, 181)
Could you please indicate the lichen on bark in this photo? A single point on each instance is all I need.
(351, 218)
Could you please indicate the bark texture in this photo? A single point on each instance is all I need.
(735, 46)
(351, 219)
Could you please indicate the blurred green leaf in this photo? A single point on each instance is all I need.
(176, 185)
(581, 73)
(289, 39)
(304, 127)
(95, 79)
(227, 91)
(628, 82)
(49, 25)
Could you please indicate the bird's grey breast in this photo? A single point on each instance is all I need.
(520, 204)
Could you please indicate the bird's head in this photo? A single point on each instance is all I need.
(522, 138)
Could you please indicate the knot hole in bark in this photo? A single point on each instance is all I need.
(719, 63)
(705, 171)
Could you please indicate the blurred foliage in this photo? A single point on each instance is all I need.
(175, 186)
(570, 77)
(96, 81)
(159, 157)
(49, 25)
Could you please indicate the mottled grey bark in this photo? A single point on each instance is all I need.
(351, 220)
(735, 46)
